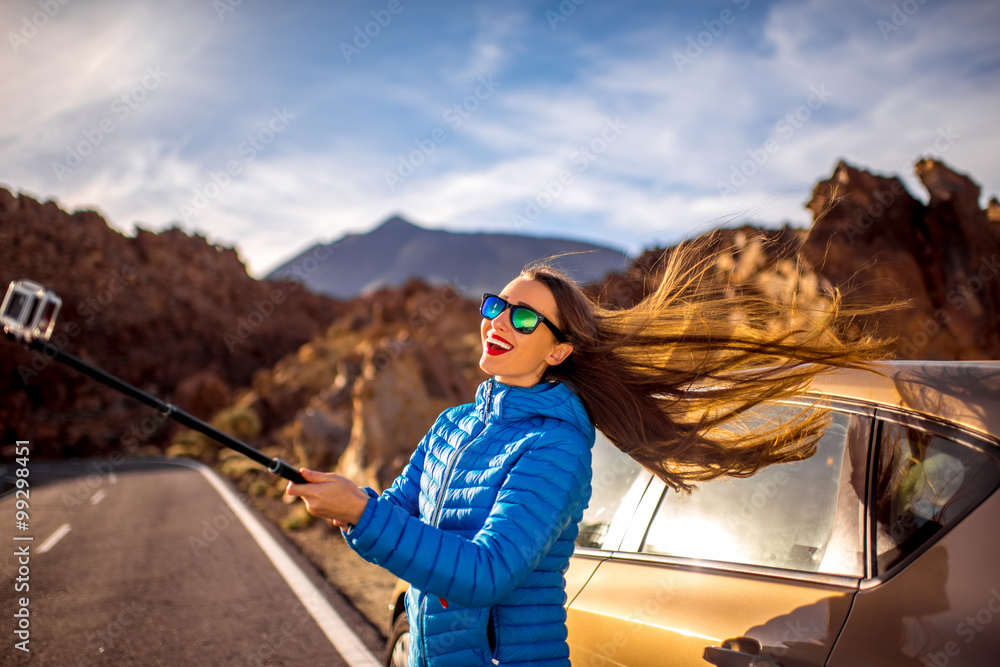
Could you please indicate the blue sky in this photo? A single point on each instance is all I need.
(270, 126)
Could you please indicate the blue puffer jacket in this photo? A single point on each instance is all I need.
(482, 522)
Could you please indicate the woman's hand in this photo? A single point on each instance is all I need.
(330, 496)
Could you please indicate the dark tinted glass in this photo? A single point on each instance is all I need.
(925, 483)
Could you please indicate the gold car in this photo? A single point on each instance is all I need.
(881, 549)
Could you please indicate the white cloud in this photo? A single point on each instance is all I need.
(657, 181)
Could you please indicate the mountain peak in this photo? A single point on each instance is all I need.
(474, 262)
(395, 225)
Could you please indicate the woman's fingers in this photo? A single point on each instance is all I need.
(314, 476)
(311, 476)
(329, 496)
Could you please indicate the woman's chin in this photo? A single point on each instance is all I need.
(486, 363)
(491, 364)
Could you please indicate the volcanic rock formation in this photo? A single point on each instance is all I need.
(170, 313)
(872, 238)
(353, 386)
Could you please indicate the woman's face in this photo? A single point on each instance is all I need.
(515, 358)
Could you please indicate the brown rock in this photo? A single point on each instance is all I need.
(394, 406)
(878, 242)
(993, 211)
(203, 394)
(320, 433)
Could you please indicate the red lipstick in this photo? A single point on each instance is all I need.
(495, 348)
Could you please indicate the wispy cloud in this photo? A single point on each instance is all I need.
(749, 94)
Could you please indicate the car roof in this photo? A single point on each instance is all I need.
(966, 393)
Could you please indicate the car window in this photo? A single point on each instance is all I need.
(803, 515)
(925, 483)
(617, 484)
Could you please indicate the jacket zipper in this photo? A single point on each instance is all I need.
(449, 470)
(436, 515)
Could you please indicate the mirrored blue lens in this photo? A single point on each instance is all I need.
(492, 306)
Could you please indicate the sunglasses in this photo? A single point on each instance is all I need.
(523, 319)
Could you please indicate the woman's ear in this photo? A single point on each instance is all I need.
(559, 354)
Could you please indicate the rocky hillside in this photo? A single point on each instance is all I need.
(167, 312)
(358, 397)
(353, 386)
(872, 240)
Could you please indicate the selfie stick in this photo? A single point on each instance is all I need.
(29, 314)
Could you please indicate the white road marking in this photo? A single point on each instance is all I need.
(347, 644)
(97, 497)
(54, 538)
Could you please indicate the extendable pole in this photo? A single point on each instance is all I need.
(274, 465)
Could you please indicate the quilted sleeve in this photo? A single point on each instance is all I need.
(534, 506)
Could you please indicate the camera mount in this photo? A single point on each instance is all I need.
(28, 314)
(29, 311)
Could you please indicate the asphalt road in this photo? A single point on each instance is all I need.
(147, 564)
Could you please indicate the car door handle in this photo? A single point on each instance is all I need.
(738, 652)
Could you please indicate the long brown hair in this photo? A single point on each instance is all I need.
(669, 379)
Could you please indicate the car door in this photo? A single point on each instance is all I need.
(769, 562)
(933, 597)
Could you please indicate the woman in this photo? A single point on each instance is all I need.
(483, 519)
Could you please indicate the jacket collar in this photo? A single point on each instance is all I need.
(501, 402)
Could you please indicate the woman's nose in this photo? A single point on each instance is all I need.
(502, 320)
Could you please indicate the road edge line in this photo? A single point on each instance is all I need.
(346, 643)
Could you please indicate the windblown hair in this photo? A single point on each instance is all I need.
(671, 379)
